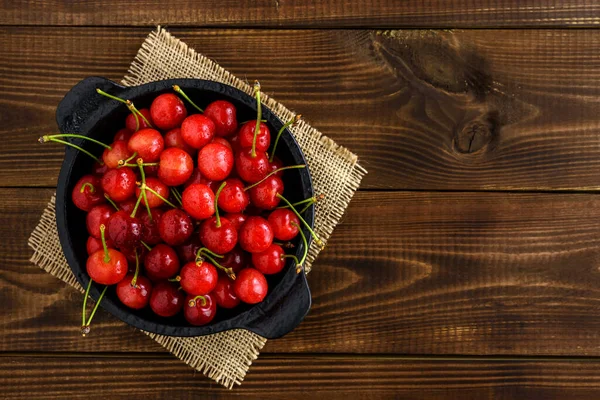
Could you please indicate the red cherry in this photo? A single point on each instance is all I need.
(91, 195)
(175, 166)
(195, 177)
(224, 115)
(106, 268)
(250, 286)
(235, 143)
(123, 134)
(198, 279)
(167, 111)
(281, 221)
(134, 296)
(97, 216)
(270, 261)
(99, 168)
(222, 141)
(161, 263)
(173, 138)
(233, 197)
(215, 161)
(251, 169)
(197, 130)
(150, 232)
(94, 244)
(187, 252)
(151, 170)
(123, 230)
(219, 239)
(263, 138)
(131, 124)
(130, 255)
(147, 143)
(200, 310)
(236, 259)
(159, 187)
(264, 195)
(255, 235)
(224, 293)
(119, 184)
(236, 219)
(118, 152)
(175, 227)
(129, 205)
(166, 300)
(275, 165)
(198, 201)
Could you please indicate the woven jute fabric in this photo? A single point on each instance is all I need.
(226, 356)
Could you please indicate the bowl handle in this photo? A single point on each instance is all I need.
(81, 101)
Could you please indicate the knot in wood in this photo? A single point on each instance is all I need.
(474, 136)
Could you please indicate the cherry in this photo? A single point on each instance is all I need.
(236, 259)
(198, 201)
(175, 227)
(224, 115)
(215, 161)
(119, 184)
(129, 205)
(94, 244)
(151, 170)
(124, 231)
(99, 168)
(284, 223)
(235, 143)
(97, 216)
(132, 125)
(173, 138)
(275, 165)
(136, 294)
(270, 261)
(123, 134)
(264, 195)
(251, 169)
(167, 111)
(197, 130)
(198, 278)
(118, 151)
(87, 193)
(263, 138)
(175, 166)
(187, 252)
(233, 198)
(159, 187)
(161, 263)
(250, 286)
(236, 219)
(150, 231)
(200, 310)
(195, 177)
(222, 141)
(130, 254)
(147, 143)
(166, 300)
(107, 266)
(255, 235)
(217, 234)
(224, 293)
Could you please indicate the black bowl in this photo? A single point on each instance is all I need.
(85, 112)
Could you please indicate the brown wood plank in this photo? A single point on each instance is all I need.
(305, 13)
(301, 377)
(462, 110)
(405, 273)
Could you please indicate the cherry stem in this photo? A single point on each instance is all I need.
(252, 120)
(306, 207)
(176, 279)
(67, 135)
(155, 164)
(314, 235)
(107, 197)
(154, 192)
(137, 119)
(177, 196)
(137, 204)
(301, 263)
(228, 271)
(104, 246)
(291, 122)
(42, 140)
(123, 162)
(136, 112)
(110, 96)
(137, 269)
(310, 200)
(216, 203)
(273, 173)
(185, 96)
(205, 250)
(85, 326)
(146, 245)
(89, 321)
(258, 117)
(89, 185)
(192, 302)
(284, 256)
(85, 297)
(140, 164)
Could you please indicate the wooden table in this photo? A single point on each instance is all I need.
(467, 266)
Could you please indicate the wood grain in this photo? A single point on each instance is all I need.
(425, 110)
(405, 273)
(304, 13)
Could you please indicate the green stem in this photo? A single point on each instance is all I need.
(216, 203)
(273, 173)
(87, 184)
(85, 297)
(185, 96)
(228, 271)
(192, 302)
(65, 135)
(107, 197)
(292, 257)
(258, 117)
(301, 263)
(140, 164)
(177, 195)
(42, 140)
(155, 164)
(306, 207)
(96, 306)
(154, 192)
(137, 269)
(310, 200)
(130, 106)
(137, 204)
(110, 96)
(146, 245)
(205, 250)
(122, 163)
(291, 122)
(104, 246)
(314, 235)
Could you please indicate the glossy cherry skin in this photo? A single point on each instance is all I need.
(199, 201)
(130, 254)
(166, 300)
(236, 219)
(222, 141)
(224, 115)
(136, 297)
(123, 230)
(130, 120)
(200, 311)
(264, 195)
(251, 169)
(99, 215)
(233, 198)
(270, 261)
(197, 130)
(195, 177)
(224, 293)
(153, 200)
(99, 168)
(198, 279)
(107, 273)
(119, 184)
(167, 111)
(173, 138)
(94, 244)
(161, 263)
(235, 143)
(215, 161)
(150, 232)
(263, 139)
(275, 165)
(147, 143)
(119, 151)
(175, 227)
(89, 197)
(255, 235)
(250, 286)
(187, 252)
(123, 134)
(281, 221)
(176, 166)
(128, 206)
(219, 239)
(237, 259)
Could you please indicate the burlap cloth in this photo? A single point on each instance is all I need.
(227, 356)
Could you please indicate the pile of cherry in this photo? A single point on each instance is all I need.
(186, 212)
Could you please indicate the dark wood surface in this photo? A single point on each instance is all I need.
(466, 267)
